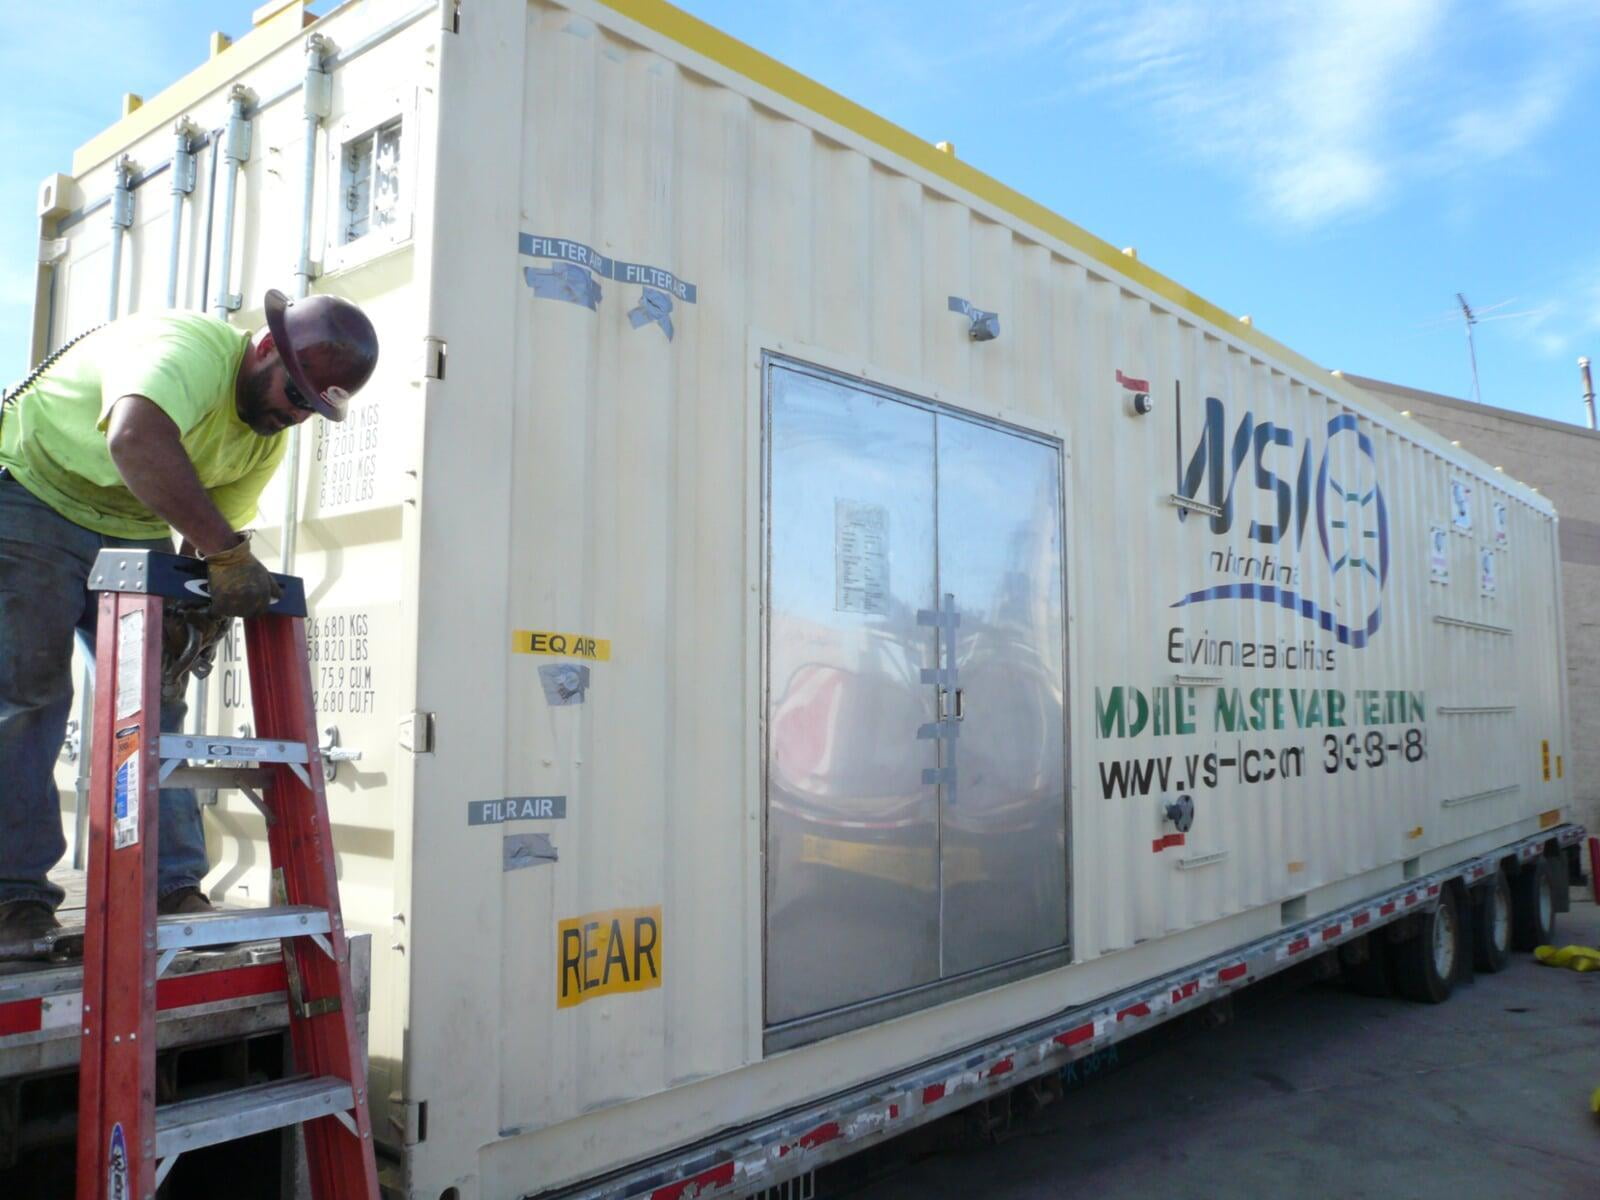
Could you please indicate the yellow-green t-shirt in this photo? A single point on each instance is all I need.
(54, 434)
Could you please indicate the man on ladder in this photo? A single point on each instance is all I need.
(156, 420)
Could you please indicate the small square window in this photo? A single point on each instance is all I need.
(370, 184)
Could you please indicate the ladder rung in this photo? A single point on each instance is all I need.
(215, 777)
(227, 1116)
(227, 926)
(225, 749)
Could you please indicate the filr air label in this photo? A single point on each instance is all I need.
(605, 953)
(516, 808)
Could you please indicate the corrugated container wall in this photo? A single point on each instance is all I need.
(715, 612)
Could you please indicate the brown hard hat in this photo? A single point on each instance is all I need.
(328, 346)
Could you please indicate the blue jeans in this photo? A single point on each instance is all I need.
(44, 598)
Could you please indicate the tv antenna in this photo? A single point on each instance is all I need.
(1471, 319)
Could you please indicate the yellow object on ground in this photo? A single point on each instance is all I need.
(1578, 958)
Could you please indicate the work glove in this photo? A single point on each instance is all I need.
(240, 586)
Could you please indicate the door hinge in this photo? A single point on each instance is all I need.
(416, 732)
(434, 353)
(409, 1119)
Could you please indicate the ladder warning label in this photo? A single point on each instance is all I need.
(125, 784)
(130, 664)
(562, 645)
(605, 953)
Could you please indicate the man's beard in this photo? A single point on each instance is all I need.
(253, 410)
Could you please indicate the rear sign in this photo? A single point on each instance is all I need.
(605, 953)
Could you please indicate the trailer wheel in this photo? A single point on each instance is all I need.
(1491, 926)
(1425, 966)
(1533, 907)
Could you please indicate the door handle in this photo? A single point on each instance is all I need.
(961, 704)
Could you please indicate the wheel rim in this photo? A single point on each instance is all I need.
(1547, 903)
(1444, 941)
(1500, 917)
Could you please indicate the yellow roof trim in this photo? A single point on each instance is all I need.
(769, 73)
(219, 71)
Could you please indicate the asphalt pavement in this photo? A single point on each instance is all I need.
(1319, 1092)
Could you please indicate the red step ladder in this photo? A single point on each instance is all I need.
(126, 1142)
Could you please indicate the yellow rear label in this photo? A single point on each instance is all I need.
(604, 953)
(561, 645)
(1547, 819)
(1546, 748)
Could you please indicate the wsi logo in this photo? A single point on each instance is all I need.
(1339, 484)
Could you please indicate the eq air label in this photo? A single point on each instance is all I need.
(562, 645)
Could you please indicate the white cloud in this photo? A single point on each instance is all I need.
(1325, 110)
(1566, 322)
(1501, 129)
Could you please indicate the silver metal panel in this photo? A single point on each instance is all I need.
(852, 884)
(1003, 841)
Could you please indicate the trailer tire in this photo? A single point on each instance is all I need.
(1491, 926)
(1533, 906)
(1425, 967)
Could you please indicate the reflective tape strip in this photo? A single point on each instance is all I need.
(1290, 949)
(1076, 1036)
(21, 1016)
(719, 1176)
(64, 1009)
(209, 987)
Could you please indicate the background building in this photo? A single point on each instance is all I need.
(1563, 462)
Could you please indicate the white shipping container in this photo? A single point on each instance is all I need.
(789, 592)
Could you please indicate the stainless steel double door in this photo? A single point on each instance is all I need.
(916, 811)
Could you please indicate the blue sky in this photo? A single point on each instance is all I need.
(1339, 170)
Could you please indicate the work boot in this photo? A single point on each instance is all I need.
(25, 928)
(185, 900)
